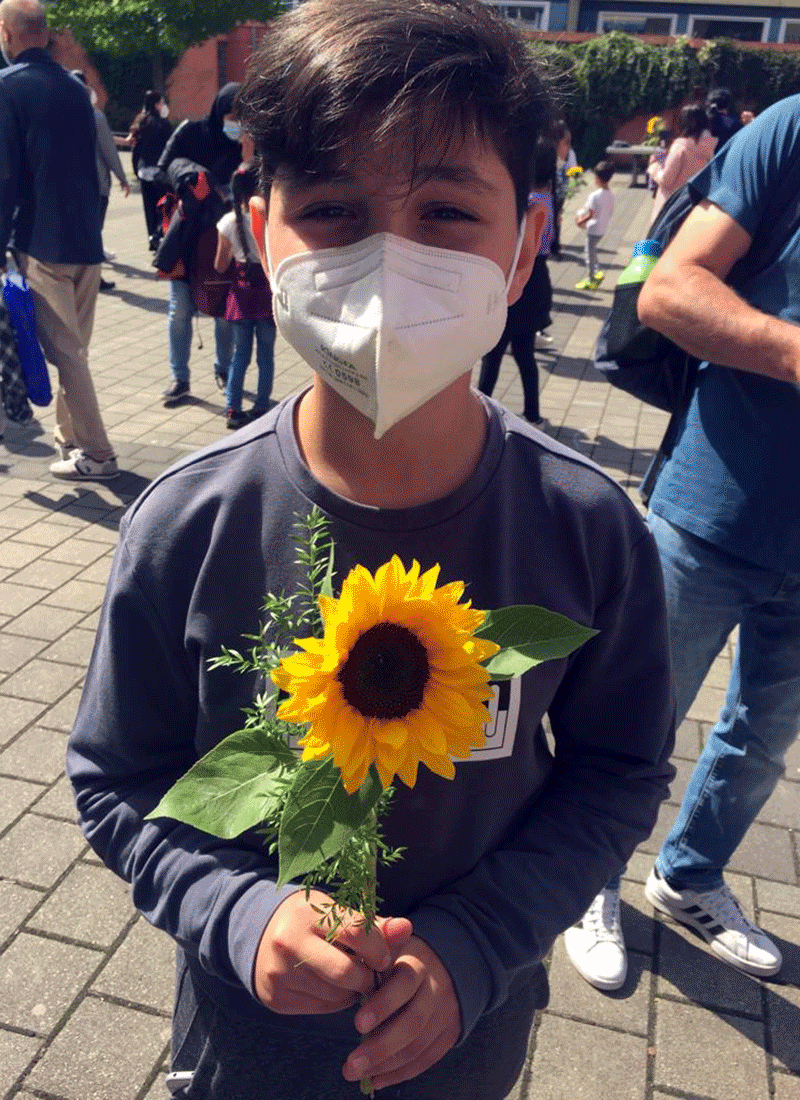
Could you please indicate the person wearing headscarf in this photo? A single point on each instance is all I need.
(212, 143)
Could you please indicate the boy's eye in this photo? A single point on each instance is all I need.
(449, 214)
(327, 212)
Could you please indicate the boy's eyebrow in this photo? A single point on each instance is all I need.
(447, 173)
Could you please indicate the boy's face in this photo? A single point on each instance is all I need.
(464, 201)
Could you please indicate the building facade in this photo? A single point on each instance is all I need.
(740, 19)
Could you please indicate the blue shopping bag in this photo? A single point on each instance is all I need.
(19, 303)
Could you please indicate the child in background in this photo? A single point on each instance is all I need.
(531, 314)
(249, 305)
(594, 217)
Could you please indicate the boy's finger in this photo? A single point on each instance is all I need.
(397, 931)
(397, 990)
(343, 969)
(371, 947)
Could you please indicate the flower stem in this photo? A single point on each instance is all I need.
(370, 906)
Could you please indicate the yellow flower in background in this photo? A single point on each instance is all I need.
(655, 124)
(576, 170)
(396, 680)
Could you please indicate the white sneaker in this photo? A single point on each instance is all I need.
(109, 256)
(596, 947)
(82, 467)
(718, 917)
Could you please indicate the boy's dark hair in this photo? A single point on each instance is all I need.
(604, 170)
(408, 75)
(244, 184)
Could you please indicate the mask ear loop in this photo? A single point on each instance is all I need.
(515, 261)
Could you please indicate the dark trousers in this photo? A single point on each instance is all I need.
(522, 348)
(152, 191)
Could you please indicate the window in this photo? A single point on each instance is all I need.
(790, 30)
(635, 22)
(532, 15)
(745, 30)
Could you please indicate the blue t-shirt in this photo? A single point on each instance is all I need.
(734, 475)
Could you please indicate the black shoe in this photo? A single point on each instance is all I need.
(221, 378)
(175, 393)
(257, 412)
(106, 284)
(237, 419)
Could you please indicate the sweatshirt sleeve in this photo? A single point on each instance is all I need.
(108, 148)
(133, 738)
(613, 721)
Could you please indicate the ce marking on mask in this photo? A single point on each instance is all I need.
(340, 370)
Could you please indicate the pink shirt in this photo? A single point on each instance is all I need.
(685, 157)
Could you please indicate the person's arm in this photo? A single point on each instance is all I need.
(173, 148)
(108, 150)
(222, 260)
(686, 298)
(10, 152)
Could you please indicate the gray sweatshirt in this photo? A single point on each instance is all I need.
(500, 860)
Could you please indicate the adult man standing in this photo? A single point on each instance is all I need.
(726, 517)
(49, 204)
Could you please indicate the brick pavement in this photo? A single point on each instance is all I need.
(85, 984)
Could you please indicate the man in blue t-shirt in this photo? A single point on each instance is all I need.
(726, 517)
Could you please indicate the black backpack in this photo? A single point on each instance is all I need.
(648, 365)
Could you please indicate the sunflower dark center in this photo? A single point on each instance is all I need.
(386, 672)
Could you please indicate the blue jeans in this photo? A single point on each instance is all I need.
(181, 311)
(244, 331)
(708, 594)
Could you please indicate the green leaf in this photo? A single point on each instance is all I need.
(326, 588)
(320, 817)
(529, 635)
(232, 788)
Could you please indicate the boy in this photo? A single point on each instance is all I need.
(594, 217)
(392, 138)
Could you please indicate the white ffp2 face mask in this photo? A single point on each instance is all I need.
(388, 323)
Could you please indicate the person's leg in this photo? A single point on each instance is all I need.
(223, 349)
(743, 757)
(700, 620)
(522, 350)
(242, 352)
(490, 365)
(591, 255)
(265, 357)
(181, 312)
(65, 296)
(149, 197)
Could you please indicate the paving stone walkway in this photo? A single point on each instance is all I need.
(86, 985)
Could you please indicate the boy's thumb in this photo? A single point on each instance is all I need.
(397, 931)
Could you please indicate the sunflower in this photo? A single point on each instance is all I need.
(396, 679)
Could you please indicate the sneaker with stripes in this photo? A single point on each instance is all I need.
(718, 917)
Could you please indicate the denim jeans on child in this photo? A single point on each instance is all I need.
(244, 331)
(181, 311)
(592, 244)
(708, 594)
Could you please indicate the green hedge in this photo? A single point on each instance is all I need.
(606, 80)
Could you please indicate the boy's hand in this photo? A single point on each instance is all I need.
(298, 972)
(417, 1015)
